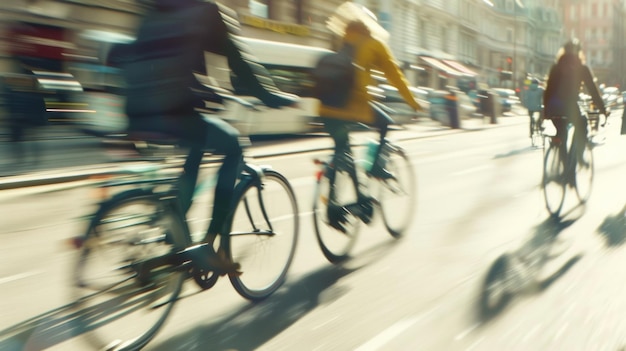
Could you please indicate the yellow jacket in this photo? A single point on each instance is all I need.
(370, 54)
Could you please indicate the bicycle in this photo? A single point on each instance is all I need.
(537, 138)
(138, 251)
(558, 174)
(395, 199)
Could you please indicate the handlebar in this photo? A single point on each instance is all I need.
(213, 93)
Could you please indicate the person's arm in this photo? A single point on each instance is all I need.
(592, 88)
(386, 63)
(249, 74)
(550, 86)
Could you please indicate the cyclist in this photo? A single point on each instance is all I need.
(562, 92)
(533, 101)
(159, 69)
(369, 53)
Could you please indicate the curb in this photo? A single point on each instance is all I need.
(85, 173)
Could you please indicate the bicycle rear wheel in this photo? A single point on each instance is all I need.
(263, 235)
(335, 245)
(397, 196)
(553, 180)
(116, 311)
(584, 175)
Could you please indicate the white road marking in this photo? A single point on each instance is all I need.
(473, 346)
(388, 334)
(466, 332)
(472, 170)
(18, 277)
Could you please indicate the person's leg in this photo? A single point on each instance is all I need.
(580, 138)
(340, 133)
(531, 114)
(223, 138)
(382, 122)
(561, 134)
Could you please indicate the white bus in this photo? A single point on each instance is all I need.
(290, 66)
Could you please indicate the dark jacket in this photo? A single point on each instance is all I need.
(564, 82)
(533, 97)
(159, 65)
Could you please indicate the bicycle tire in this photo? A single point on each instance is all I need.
(263, 235)
(496, 292)
(584, 175)
(116, 311)
(335, 245)
(553, 180)
(397, 198)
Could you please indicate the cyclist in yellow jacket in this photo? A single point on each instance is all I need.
(368, 54)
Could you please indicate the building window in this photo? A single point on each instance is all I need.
(572, 13)
(509, 6)
(259, 8)
(594, 10)
(423, 34)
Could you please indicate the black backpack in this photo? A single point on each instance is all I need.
(334, 77)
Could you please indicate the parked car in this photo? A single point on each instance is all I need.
(508, 99)
(440, 101)
(611, 96)
(403, 113)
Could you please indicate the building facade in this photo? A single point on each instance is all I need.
(436, 42)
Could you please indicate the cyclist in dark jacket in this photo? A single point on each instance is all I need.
(159, 68)
(561, 96)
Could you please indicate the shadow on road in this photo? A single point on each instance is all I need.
(521, 151)
(257, 323)
(253, 325)
(613, 229)
(523, 271)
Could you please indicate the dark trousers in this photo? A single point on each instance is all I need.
(339, 130)
(580, 134)
(533, 121)
(201, 135)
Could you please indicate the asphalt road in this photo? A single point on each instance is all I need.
(479, 199)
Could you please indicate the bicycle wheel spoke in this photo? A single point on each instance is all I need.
(114, 308)
(263, 236)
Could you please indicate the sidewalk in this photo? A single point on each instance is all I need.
(57, 172)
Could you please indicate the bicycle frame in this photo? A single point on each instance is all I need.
(184, 259)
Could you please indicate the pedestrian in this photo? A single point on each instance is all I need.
(26, 114)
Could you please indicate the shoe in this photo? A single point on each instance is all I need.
(209, 260)
(337, 216)
(379, 172)
(366, 210)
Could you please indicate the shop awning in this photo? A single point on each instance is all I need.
(460, 67)
(441, 66)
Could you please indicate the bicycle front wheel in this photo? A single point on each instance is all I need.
(263, 235)
(553, 181)
(335, 245)
(116, 311)
(397, 195)
(584, 174)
